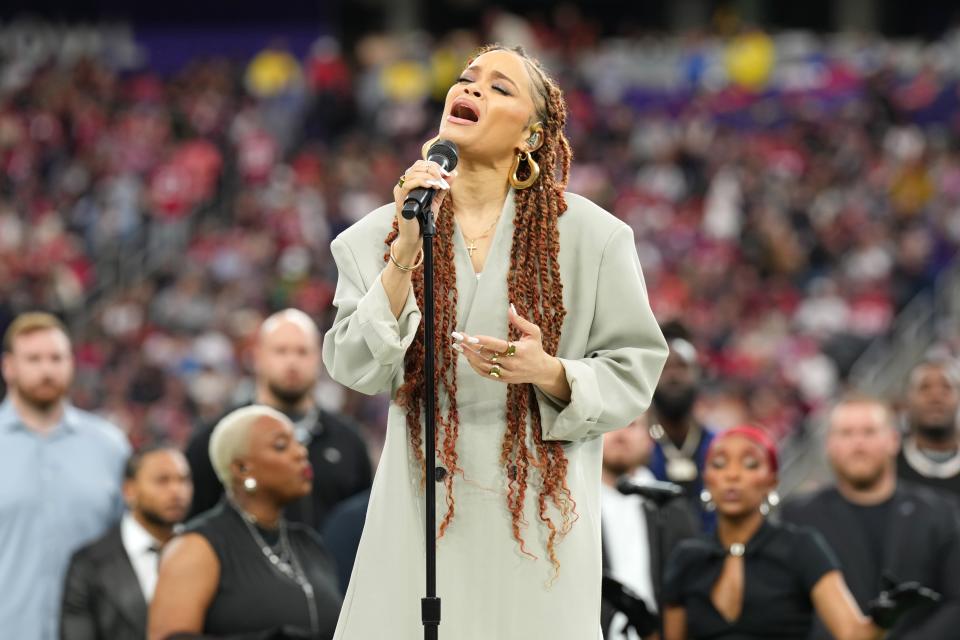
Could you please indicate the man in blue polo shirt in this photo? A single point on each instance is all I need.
(61, 471)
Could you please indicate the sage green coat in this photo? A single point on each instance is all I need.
(612, 351)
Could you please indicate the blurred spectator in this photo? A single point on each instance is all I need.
(241, 568)
(342, 531)
(287, 363)
(931, 452)
(638, 534)
(882, 529)
(61, 469)
(110, 581)
(681, 442)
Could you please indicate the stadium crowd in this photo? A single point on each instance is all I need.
(786, 238)
(165, 218)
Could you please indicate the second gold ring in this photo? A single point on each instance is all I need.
(495, 371)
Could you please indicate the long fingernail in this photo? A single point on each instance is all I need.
(436, 183)
(444, 184)
(457, 347)
(444, 171)
(514, 309)
(457, 336)
(473, 340)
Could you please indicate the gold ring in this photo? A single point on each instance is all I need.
(511, 350)
(495, 358)
(495, 371)
(400, 181)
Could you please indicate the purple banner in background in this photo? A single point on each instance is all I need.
(169, 49)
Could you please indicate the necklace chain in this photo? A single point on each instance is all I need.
(285, 562)
(472, 242)
(927, 467)
(485, 233)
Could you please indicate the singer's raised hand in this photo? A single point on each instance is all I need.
(421, 174)
(406, 248)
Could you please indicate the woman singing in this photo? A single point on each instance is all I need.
(755, 580)
(545, 340)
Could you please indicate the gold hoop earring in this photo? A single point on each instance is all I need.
(534, 171)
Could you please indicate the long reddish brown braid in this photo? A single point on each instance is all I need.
(534, 286)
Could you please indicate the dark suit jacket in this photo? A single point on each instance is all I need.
(102, 599)
(341, 468)
(666, 527)
(923, 544)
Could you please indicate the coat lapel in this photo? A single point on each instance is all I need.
(120, 582)
(485, 311)
(655, 545)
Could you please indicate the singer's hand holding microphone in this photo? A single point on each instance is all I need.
(424, 183)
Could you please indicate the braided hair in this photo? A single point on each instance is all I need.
(534, 285)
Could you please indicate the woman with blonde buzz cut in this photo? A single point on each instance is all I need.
(240, 570)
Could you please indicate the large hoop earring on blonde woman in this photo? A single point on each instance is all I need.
(534, 171)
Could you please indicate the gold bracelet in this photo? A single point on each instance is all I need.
(402, 267)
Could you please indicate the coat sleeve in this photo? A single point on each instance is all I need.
(614, 382)
(77, 619)
(364, 348)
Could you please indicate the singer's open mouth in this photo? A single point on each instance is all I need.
(464, 111)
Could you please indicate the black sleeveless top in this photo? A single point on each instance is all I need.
(255, 596)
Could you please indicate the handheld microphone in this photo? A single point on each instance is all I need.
(445, 154)
(655, 490)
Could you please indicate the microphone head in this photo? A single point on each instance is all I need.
(444, 153)
(655, 490)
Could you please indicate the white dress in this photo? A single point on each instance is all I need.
(612, 351)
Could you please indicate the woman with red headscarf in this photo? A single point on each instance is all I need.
(757, 580)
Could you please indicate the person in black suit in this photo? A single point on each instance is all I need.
(638, 534)
(110, 582)
(287, 363)
(880, 528)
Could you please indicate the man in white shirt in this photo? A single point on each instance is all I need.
(111, 581)
(638, 535)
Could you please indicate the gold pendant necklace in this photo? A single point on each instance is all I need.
(472, 242)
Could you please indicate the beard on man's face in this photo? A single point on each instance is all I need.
(290, 395)
(159, 520)
(938, 432)
(43, 395)
(619, 465)
(865, 480)
(675, 404)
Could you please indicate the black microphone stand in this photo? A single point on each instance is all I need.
(429, 605)
(418, 203)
